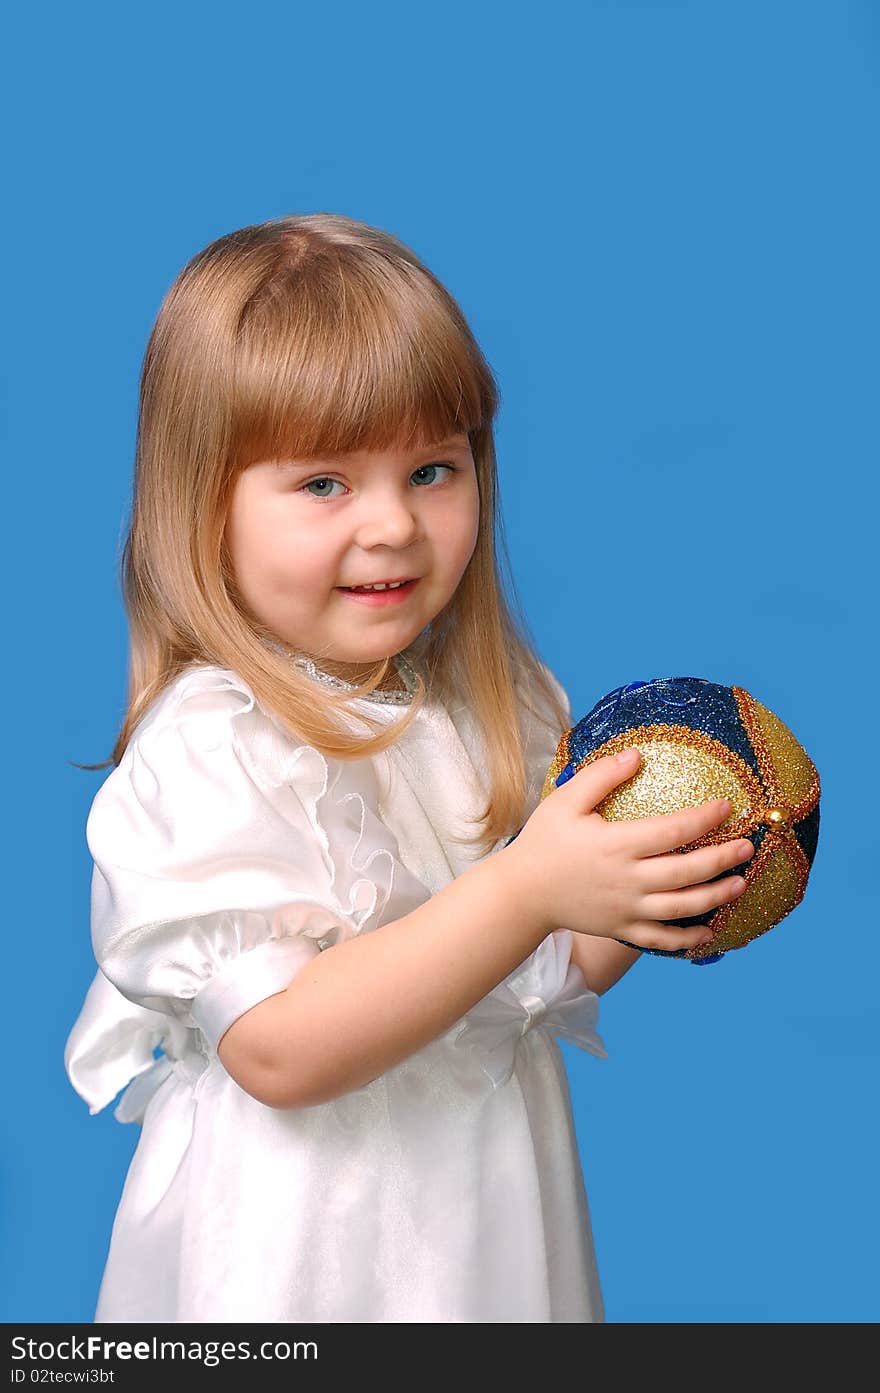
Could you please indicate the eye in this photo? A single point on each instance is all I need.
(325, 479)
(423, 467)
(322, 480)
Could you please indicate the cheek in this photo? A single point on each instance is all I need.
(295, 564)
(466, 531)
(272, 540)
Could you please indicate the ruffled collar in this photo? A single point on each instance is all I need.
(398, 696)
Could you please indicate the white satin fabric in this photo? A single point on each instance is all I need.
(226, 856)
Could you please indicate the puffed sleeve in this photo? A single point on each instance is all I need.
(226, 857)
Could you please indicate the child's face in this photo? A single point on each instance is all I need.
(296, 532)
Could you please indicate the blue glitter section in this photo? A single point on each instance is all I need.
(673, 953)
(685, 701)
(807, 833)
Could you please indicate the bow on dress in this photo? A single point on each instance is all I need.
(112, 1045)
(112, 1042)
(549, 992)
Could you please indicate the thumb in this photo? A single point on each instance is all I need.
(595, 780)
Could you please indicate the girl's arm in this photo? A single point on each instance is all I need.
(603, 961)
(364, 1004)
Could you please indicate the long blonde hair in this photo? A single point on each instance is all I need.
(299, 337)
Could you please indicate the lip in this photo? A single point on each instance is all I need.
(383, 580)
(381, 597)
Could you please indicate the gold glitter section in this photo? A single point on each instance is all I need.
(681, 768)
(673, 776)
(773, 889)
(790, 776)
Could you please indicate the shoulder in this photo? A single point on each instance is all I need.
(557, 688)
(533, 700)
(207, 734)
(203, 695)
(540, 729)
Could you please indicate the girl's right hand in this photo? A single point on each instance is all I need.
(576, 870)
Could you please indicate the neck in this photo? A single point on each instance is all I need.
(348, 672)
(358, 672)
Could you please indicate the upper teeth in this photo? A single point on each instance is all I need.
(393, 585)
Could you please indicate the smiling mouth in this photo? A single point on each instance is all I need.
(383, 598)
(379, 586)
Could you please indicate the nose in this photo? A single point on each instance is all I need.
(388, 519)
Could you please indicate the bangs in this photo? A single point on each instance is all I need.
(335, 355)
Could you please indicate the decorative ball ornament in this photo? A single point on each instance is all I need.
(698, 742)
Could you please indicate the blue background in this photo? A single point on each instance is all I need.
(662, 223)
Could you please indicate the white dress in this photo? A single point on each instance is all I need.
(226, 856)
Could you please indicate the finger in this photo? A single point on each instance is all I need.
(648, 934)
(596, 780)
(667, 831)
(658, 873)
(684, 904)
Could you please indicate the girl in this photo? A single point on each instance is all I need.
(306, 888)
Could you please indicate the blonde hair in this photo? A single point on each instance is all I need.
(298, 337)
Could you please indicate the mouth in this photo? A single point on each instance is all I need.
(397, 594)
